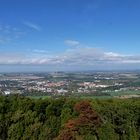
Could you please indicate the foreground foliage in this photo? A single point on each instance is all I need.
(69, 119)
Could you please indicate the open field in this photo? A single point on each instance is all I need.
(130, 92)
(125, 94)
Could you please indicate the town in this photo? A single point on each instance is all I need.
(91, 84)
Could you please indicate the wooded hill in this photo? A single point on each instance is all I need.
(23, 118)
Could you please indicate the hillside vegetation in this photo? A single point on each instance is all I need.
(23, 118)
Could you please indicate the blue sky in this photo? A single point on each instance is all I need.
(45, 35)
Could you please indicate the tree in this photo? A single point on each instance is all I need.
(87, 122)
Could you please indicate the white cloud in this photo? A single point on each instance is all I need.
(9, 34)
(11, 58)
(112, 54)
(32, 26)
(39, 51)
(77, 57)
(72, 42)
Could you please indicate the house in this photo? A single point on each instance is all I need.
(7, 92)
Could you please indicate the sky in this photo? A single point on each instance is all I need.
(63, 35)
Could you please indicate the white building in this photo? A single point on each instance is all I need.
(7, 92)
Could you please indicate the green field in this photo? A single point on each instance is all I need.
(112, 94)
(125, 93)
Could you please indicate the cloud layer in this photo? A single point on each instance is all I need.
(71, 43)
(76, 57)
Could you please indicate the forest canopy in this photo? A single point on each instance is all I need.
(69, 119)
